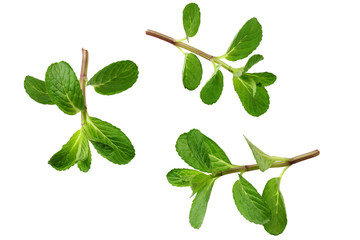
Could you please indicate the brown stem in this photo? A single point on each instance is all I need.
(247, 168)
(83, 80)
(189, 48)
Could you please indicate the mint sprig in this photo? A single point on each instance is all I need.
(250, 87)
(211, 163)
(62, 87)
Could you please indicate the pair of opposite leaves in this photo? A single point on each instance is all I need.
(61, 87)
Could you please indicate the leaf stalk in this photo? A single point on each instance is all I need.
(192, 49)
(83, 80)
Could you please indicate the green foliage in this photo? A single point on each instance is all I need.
(181, 177)
(64, 88)
(75, 150)
(61, 87)
(192, 71)
(250, 87)
(199, 204)
(37, 90)
(274, 199)
(195, 149)
(254, 98)
(211, 162)
(212, 90)
(263, 160)
(254, 59)
(191, 19)
(115, 78)
(109, 141)
(249, 202)
(246, 41)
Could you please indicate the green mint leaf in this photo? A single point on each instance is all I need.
(198, 182)
(181, 177)
(37, 90)
(263, 160)
(192, 71)
(84, 164)
(195, 149)
(218, 164)
(250, 203)
(255, 104)
(64, 88)
(109, 141)
(254, 59)
(199, 204)
(246, 41)
(198, 148)
(191, 19)
(75, 150)
(212, 90)
(262, 79)
(274, 199)
(115, 78)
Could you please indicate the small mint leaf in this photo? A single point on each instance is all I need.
(192, 71)
(37, 90)
(75, 150)
(191, 19)
(212, 90)
(249, 202)
(254, 59)
(199, 204)
(256, 103)
(262, 159)
(274, 199)
(262, 79)
(115, 78)
(181, 177)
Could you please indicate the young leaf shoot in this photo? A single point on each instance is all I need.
(211, 163)
(250, 87)
(62, 87)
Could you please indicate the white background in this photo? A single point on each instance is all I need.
(312, 47)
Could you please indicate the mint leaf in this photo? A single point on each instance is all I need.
(263, 78)
(84, 164)
(263, 160)
(212, 90)
(181, 177)
(192, 71)
(274, 199)
(115, 78)
(195, 149)
(246, 41)
(37, 90)
(218, 164)
(64, 88)
(198, 182)
(109, 141)
(254, 59)
(75, 150)
(249, 202)
(255, 104)
(199, 204)
(191, 19)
